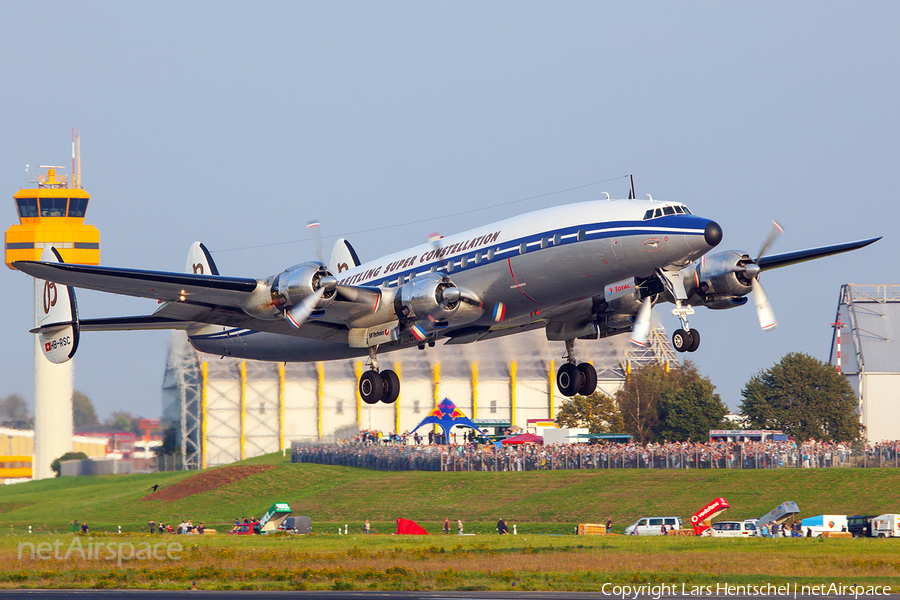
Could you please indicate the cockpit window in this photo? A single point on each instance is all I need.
(686, 210)
(648, 214)
(658, 212)
(668, 210)
(678, 209)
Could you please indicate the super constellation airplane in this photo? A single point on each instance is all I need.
(581, 271)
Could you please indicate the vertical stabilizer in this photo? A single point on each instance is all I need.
(343, 257)
(199, 261)
(55, 315)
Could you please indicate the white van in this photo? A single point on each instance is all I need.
(886, 526)
(732, 529)
(653, 525)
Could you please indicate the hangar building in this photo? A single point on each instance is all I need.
(868, 318)
(229, 409)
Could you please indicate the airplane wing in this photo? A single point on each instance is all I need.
(208, 299)
(792, 258)
(158, 285)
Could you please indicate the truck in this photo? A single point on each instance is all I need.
(886, 526)
(274, 517)
(702, 519)
(778, 515)
(816, 526)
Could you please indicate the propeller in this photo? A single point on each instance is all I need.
(764, 311)
(298, 314)
(316, 236)
(642, 324)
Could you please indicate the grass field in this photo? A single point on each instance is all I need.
(546, 501)
(540, 504)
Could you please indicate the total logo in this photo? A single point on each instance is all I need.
(619, 288)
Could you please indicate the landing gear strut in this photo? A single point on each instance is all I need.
(375, 385)
(685, 339)
(572, 378)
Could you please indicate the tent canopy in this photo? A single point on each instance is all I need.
(525, 438)
(445, 415)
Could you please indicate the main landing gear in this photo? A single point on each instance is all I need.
(685, 339)
(375, 385)
(572, 378)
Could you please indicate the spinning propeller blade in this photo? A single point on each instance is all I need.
(298, 315)
(642, 324)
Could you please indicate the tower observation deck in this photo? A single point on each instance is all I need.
(52, 214)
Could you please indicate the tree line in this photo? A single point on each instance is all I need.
(800, 395)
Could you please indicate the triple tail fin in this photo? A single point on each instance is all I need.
(199, 261)
(343, 257)
(56, 315)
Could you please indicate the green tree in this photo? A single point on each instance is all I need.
(14, 412)
(56, 465)
(688, 413)
(598, 412)
(804, 397)
(654, 395)
(123, 421)
(83, 413)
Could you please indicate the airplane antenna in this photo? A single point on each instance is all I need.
(607, 196)
(74, 182)
(651, 198)
(631, 178)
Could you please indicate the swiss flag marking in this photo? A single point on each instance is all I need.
(47, 347)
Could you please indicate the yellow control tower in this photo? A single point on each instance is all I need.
(52, 214)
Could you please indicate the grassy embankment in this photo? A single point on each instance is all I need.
(539, 503)
(546, 501)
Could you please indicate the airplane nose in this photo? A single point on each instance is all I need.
(712, 234)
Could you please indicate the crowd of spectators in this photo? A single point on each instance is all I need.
(402, 453)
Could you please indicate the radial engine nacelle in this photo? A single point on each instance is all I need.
(722, 280)
(429, 296)
(279, 293)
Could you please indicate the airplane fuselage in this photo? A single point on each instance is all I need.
(542, 266)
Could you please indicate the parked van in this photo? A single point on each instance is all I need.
(822, 523)
(860, 525)
(732, 529)
(886, 526)
(653, 525)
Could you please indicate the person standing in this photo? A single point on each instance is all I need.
(446, 525)
(608, 524)
(366, 527)
(152, 527)
(459, 525)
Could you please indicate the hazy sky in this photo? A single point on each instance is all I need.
(235, 123)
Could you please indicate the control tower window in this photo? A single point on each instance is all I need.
(53, 207)
(28, 207)
(77, 207)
